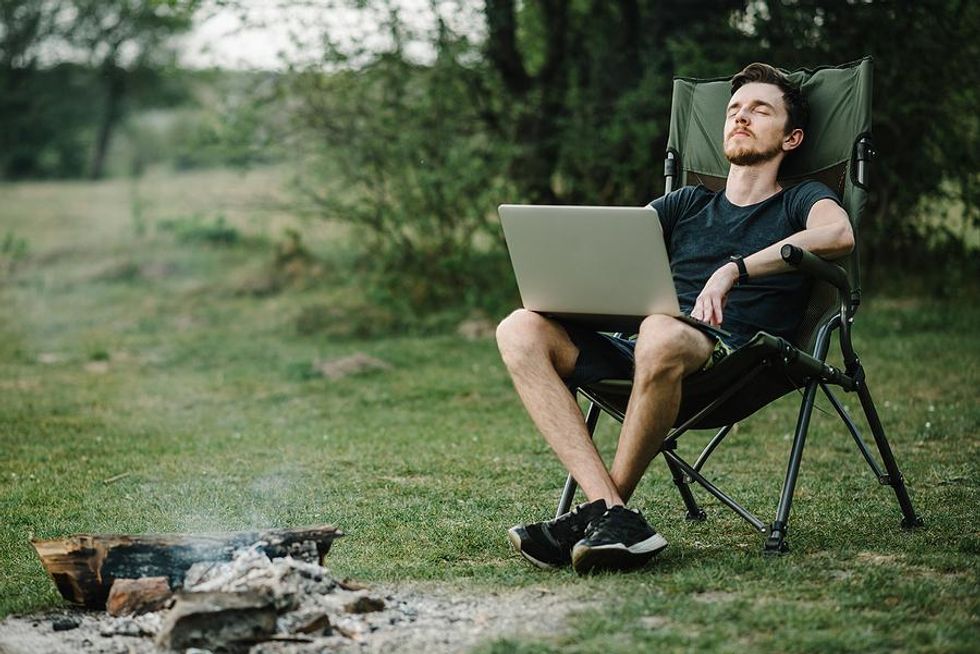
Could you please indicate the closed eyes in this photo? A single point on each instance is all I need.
(762, 110)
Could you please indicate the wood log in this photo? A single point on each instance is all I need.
(84, 566)
(135, 596)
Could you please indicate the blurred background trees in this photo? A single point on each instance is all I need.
(71, 69)
(124, 44)
(415, 138)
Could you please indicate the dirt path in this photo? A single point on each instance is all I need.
(416, 618)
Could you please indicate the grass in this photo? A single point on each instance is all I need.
(127, 346)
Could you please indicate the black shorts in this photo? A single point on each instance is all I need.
(604, 356)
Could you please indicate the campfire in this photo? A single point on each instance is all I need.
(215, 592)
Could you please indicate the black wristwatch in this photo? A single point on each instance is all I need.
(743, 273)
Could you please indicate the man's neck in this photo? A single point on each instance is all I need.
(752, 184)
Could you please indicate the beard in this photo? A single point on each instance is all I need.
(746, 156)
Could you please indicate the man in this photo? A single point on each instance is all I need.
(724, 250)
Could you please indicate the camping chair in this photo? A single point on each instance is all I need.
(837, 151)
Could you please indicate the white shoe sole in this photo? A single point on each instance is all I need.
(515, 540)
(616, 556)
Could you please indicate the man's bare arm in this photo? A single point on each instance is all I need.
(828, 234)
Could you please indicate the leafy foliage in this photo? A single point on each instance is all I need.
(546, 101)
(400, 151)
(197, 229)
(925, 121)
(568, 102)
(109, 31)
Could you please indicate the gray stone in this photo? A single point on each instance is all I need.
(365, 604)
(65, 623)
(218, 621)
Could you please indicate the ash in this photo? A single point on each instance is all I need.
(291, 584)
(307, 599)
(313, 613)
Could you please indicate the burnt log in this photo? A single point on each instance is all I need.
(84, 566)
(135, 596)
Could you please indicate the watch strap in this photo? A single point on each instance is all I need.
(743, 273)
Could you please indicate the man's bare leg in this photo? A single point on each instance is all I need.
(538, 354)
(667, 350)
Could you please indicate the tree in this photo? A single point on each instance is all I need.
(53, 53)
(590, 83)
(120, 37)
(925, 121)
(399, 149)
(24, 26)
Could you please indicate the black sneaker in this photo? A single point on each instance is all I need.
(620, 539)
(549, 544)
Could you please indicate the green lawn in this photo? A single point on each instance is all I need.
(132, 340)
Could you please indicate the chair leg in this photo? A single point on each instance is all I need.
(776, 542)
(567, 493)
(894, 477)
(851, 427)
(694, 511)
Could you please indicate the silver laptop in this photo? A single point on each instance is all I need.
(606, 267)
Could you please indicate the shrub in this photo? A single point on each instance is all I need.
(197, 229)
(400, 151)
(13, 249)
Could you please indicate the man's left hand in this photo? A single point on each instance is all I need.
(710, 303)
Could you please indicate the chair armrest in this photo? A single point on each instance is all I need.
(814, 266)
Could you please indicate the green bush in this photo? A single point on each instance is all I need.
(198, 229)
(13, 249)
(399, 150)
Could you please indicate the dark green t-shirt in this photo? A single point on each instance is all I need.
(702, 229)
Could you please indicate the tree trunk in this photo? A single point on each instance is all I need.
(114, 83)
(540, 98)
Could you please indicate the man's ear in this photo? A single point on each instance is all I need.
(792, 140)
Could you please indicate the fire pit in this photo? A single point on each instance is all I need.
(216, 592)
(85, 566)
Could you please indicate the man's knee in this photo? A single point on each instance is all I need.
(661, 349)
(528, 338)
(521, 335)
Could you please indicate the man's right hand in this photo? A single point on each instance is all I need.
(711, 301)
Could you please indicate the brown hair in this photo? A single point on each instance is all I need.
(796, 105)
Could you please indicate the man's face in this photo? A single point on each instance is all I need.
(755, 124)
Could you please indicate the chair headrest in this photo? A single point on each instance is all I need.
(840, 111)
